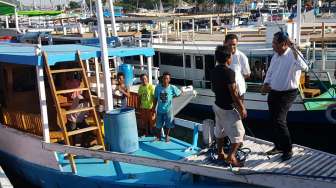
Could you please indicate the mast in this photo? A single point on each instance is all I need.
(104, 57)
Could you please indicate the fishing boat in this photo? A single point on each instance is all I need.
(35, 148)
(192, 63)
(29, 110)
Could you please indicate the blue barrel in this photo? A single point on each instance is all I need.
(127, 69)
(121, 133)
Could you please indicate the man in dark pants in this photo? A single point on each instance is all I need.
(282, 82)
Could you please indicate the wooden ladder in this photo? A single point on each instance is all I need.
(61, 112)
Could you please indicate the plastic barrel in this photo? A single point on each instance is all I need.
(127, 69)
(121, 133)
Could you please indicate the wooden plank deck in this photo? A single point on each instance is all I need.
(307, 167)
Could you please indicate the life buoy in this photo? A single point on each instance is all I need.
(331, 113)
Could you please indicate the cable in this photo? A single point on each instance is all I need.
(260, 147)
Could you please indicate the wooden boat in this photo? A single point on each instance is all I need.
(32, 143)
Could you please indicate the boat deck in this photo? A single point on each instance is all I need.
(139, 175)
(307, 167)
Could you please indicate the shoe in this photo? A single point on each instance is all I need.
(273, 151)
(287, 155)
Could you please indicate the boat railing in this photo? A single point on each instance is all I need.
(142, 41)
(138, 70)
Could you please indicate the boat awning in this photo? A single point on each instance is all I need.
(25, 54)
(32, 13)
(7, 7)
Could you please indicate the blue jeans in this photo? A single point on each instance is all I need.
(164, 120)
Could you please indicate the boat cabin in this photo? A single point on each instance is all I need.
(21, 86)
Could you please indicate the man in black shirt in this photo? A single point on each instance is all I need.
(229, 109)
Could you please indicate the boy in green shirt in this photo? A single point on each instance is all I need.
(147, 110)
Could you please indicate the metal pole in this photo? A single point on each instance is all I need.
(184, 64)
(16, 21)
(141, 57)
(97, 72)
(113, 23)
(149, 68)
(298, 28)
(233, 13)
(43, 103)
(178, 27)
(104, 57)
(211, 25)
(193, 29)
(167, 30)
(91, 11)
(7, 24)
(314, 51)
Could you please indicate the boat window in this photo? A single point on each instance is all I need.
(188, 61)
(24, 79)
(199, 62)
(209, 65)
(171, 59)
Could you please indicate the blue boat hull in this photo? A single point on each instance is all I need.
(298, 117)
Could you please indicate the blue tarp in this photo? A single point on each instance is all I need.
(25, 54)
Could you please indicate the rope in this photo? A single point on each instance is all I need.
(307, 63)
(311, 70)
(241, 155)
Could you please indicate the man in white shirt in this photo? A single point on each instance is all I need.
(239, 63)
(282, 82)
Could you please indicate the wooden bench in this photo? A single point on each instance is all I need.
(308, 92)
(30, 123)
